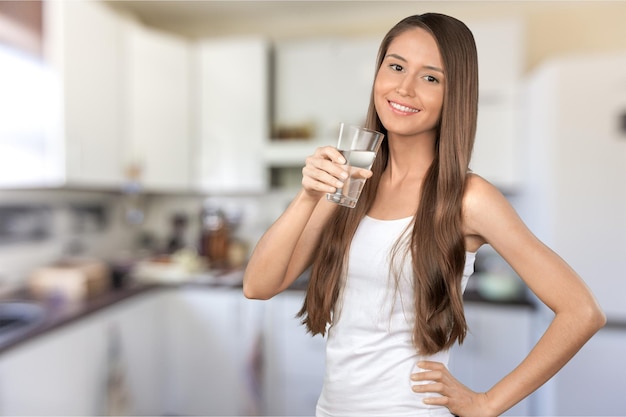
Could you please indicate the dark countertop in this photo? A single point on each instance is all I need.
(62, 314)
(474, 296)
(59, 314)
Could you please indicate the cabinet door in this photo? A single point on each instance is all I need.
(159, 106)
(83, 41)
(139, 324)
(324, 82)
(497, 150)
(205, 366)
(62, 373)
(500, 47)
(65, 372)
(233, 114)
(499, 338)
(294, 361)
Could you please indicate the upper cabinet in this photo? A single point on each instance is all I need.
(158, 112)
(233, 114)
(318, 84)
(82, 44)
(116, 98)
(500, 45)
(497, 149)
(110, 99)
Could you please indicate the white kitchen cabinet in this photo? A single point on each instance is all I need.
(498, 145)
(83, 46)
(64, 372)
(158, 116)
(501, 50)
(324, 81)
(319, 82)
(294, 361)
(117, 96)
(205, 351)
(499, 338)
(497, 148)
(233, 114)
(140, 322)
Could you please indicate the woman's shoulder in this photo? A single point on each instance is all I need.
(483, 203)
(480, 195)
(478, 189)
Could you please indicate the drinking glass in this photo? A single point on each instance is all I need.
(359, 146)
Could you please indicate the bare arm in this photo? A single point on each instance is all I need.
(577, 314)
(488, 217)
(288, 246)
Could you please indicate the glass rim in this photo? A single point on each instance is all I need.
(361, 128)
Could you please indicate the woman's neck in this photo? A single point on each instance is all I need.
(409, 158)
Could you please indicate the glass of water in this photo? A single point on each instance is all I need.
(359, 146)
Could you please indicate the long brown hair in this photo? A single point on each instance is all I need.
(437, 244)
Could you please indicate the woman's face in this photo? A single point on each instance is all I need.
(409, 85)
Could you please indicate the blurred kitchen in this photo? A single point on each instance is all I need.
(145, 146)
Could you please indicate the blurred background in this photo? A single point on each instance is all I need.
(145, 146)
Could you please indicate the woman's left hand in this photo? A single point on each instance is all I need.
(460, 400)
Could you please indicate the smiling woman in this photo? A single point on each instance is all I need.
(410, 83)
(387, 276)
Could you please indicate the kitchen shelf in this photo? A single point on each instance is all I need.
(291, 152)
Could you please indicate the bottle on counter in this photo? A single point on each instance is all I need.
(215, 237)
(176, 240)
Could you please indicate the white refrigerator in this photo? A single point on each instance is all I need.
(574, 199)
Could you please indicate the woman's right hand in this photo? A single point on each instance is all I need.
(325, 171)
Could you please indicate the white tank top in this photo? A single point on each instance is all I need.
(369, 352)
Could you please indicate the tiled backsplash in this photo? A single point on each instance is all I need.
(40, 227)
(21, 223)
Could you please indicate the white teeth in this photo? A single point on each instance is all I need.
(403, 108)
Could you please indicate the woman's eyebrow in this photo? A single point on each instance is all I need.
(400, 58)
(430, 67)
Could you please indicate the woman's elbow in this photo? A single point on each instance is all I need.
(599, 318)
(254, 292)
(594, 317)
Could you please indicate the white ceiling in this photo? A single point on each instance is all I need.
(197, 18)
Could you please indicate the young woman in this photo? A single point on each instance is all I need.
(388, 276)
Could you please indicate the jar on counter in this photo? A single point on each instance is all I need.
(215, 238)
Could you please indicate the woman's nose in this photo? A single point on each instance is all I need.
(406, 87)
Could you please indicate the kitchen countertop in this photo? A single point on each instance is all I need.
(57, 315)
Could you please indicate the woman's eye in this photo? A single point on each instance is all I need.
(396, 67)
(431, 79)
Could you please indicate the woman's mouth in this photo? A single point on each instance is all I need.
(402, 108)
